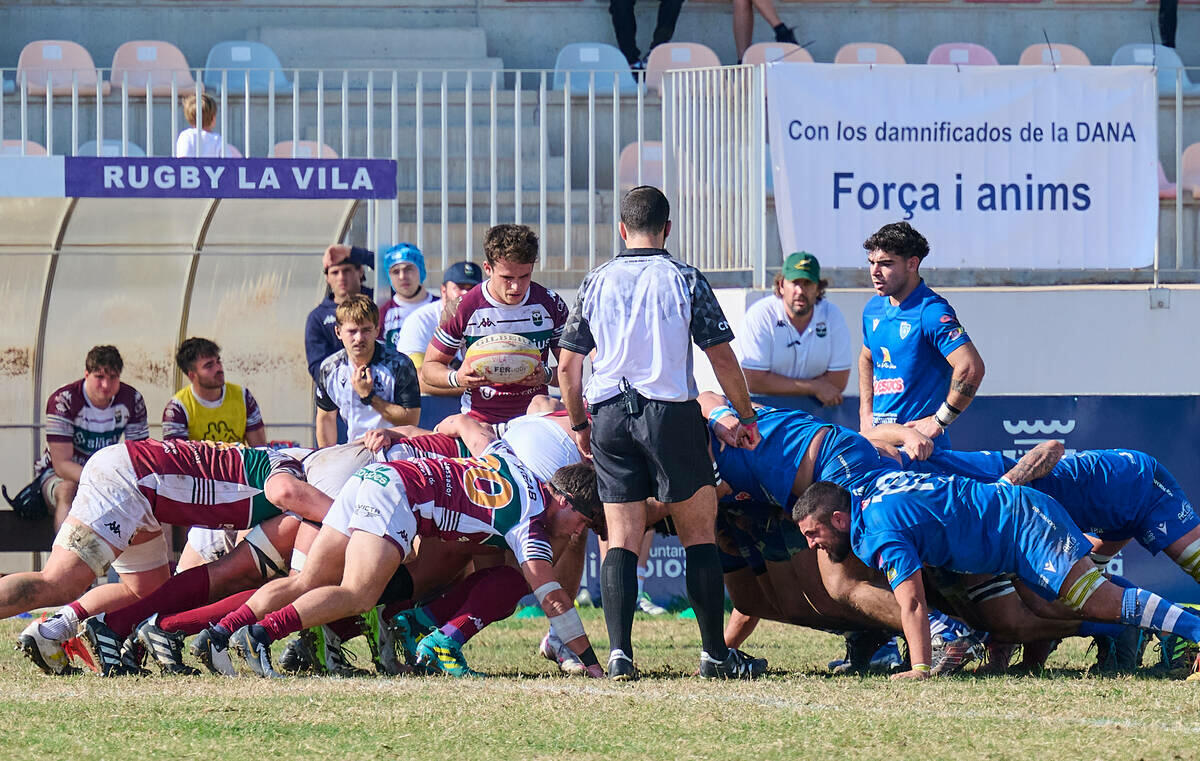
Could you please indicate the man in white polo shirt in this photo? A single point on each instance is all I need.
(796, 342)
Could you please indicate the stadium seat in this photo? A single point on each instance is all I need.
(8, 86)
(579, 58)
(151, 63)
(652, 165)
(236, 58)
(56, 64)
(1190, 178)
(1165, 58)
(13, 148)
(868, 52)
(961, 54)
(1038, 54)
(1166, 188)
(672, 56)
(111, 148)
(305, 149)
(767, 52)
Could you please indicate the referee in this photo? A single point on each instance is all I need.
(640, 313)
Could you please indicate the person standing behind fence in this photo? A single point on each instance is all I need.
(625, 27)
(918, 365)
(82, 418)
(639, 313)
(202, 142)
(797, 342)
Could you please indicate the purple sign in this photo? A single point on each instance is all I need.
(146, 177)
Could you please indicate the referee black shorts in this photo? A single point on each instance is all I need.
(660, 452)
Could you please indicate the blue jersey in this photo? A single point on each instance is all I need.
(909, 344)
(908, 520)
(768, 471)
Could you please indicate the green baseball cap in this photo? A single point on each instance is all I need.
(802, 265)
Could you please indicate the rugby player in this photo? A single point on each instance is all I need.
(906, 520)
(126, 492)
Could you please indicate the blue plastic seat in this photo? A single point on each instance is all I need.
(234, 59)
(9, 86)
(1165, 58)
(579, 58)
(111, 148)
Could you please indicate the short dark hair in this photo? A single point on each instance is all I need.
(193, 350)
(898, 239)
(645, 210)
(104, 357)
(820, 501)
(578, 484)
(511, 243)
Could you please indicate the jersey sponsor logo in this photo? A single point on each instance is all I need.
(886, 363)
(113, 527)
(1185, 512)
(722, 325)
(367, 511)
(887, 386)
(905, 329)
(946, 318)
(821, 330)
(377, 475)
(1038, 426)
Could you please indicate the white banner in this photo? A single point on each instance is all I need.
(998, 166)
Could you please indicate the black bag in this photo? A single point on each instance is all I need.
(27, 503)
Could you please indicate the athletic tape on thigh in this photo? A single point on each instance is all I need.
(545, 589)
(1100, 560)
(268, 559)
(1189, 560)
(990, 590)
(91, 549)
(298, 558)
(1083, 588)
(568, 625)
(143, 557)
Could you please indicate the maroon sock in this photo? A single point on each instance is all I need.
(193, 621)
(236, 619)
(392, 608)
(80, 611)
(445, 607)
(180, 592)
(346, 628)
(492, 598)
(282, 623)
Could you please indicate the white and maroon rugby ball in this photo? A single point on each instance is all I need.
(502, 357)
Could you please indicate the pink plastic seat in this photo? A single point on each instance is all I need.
(769, 52)
(652, 165)
(304, 149)
(151, 64)
(962, 54)
(677, 55)
(1058, 53)
(868, 52)
(56, 64)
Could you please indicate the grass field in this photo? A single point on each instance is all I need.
(527, 711)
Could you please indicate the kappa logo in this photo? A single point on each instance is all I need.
(905, 328)
(113, 527)
(1038, 426)
(486, 322)
(330, 319)
(404, 536)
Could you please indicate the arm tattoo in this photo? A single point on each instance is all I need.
(962, 387)
(1037, 463)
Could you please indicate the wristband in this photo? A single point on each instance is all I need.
(452, 379)
(367, 399)
(549, 374)
(922, 667)
(581, 426)
(720, 412)
(946, 414)
(751, 419)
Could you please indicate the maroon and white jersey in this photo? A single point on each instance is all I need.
(491, 500)
(71, 418)
(540, 317)
(206, 483)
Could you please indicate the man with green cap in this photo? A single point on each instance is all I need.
(797, 342)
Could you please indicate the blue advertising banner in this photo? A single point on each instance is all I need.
(152, 177)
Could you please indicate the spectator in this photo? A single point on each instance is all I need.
(640, 314)
(367, 383)
(1168, 18)
(418, 328)
(208, 408)
(344, 278)
(193, 142)
(507, 302)
(406, 268)
(84, 417)
(797, 342)
(625, 27)
(743, 24)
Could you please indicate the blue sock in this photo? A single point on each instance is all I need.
(939, 623)
(1093, 629)
(1121, 581)
(1149, 611)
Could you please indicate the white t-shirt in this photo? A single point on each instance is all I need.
(770, 342)
(418, 327)
(210, 145)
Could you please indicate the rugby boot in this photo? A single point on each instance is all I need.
(998, 657)
(300, 654)
(648, 606)
(253, 649)
(335, 656)
(408, 634)
(951, 655)
(737, 665)
(621, 668)
(166, 648)
(1121, 654)
(108, 650)
(381, 641)
(47, 654)
(554, 650)
(211, 648)
(860, 647)
(438, 651)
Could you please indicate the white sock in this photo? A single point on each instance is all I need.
(61, 626)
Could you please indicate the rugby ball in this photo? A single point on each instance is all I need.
(502, 357)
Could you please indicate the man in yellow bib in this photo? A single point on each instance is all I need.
(209, 409)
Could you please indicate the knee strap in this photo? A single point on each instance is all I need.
(1083, 588)
(990, 590)
(1189, 560)
(268, 559)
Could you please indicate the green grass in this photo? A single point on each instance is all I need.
(527, 711)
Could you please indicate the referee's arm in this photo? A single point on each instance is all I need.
(733, 382)
(570, 381)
